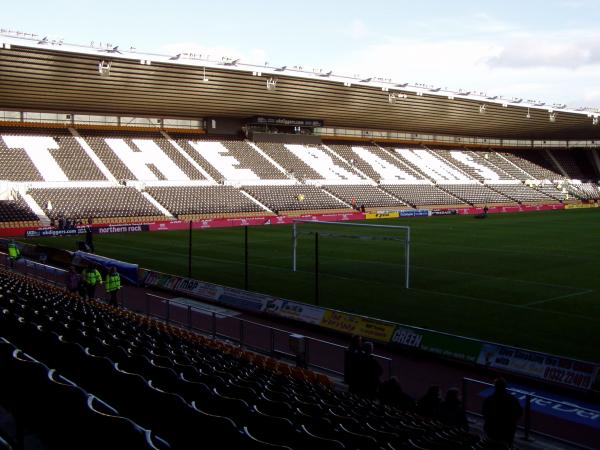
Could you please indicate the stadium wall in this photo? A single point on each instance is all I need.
(546, 368)
(175, 225)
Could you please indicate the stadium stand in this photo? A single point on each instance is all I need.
(310, 162)
(587, 191)
(475, 193)
(192, 176)
(533, 163)
(422, 195)
(229, 159)
(61, 355)
(521, 193)
(191, 202)
(552, 191)
(295, 198)
(362, 194)
(15, 213)
(100, 203)
(472, 164)
(376, 163)
(569, 164)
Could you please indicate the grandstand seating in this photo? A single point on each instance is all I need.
(15, 213)
(472, 164)
(552, 191)
(521, 193)
(310, 162)
(534, 164)
(569, 164)
(362, 194)
(99, 202)
(475, 193)
(60, 355)
(421, 195)
(376, 163)
(587, 191)
(185, 201)
(295, 198)
(191, 176)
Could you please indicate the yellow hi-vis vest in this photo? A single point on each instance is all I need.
(92, 277)
(13, 251)
(113, 282)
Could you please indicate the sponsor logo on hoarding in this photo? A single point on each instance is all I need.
(120, 229)
(382, 215)
(546, 367)
(414, 213)
(406, 336)
(362, 326)
(444, 212)
(554, 405)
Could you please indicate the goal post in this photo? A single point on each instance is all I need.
(406, 239)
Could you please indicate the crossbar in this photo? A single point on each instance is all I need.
(353, 224)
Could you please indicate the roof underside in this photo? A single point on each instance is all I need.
(33, 79)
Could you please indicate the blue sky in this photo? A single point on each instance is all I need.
(540, 50)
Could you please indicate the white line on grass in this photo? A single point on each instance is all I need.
(458, 272)
(559, 297)
(445, 294)
(527, 307)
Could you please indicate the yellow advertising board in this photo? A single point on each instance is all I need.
(390, 215)
(581, 205)
(362, 326)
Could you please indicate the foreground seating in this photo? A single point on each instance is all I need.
(187, 389)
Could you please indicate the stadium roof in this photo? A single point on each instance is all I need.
(41, 75)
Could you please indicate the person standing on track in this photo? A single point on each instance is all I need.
(113, 285)
(91, 279)
(501, 412)
(13, 253)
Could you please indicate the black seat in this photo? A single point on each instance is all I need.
(250, 442)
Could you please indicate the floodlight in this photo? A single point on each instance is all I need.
(552, 117)
(528, 114)
(482, 109)
(595, 120)
(104, 68)
(272, 83)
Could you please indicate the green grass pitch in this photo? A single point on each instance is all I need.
(529, 280)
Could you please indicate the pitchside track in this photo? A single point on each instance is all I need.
(530, 280)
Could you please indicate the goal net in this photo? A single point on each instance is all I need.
(344, 252)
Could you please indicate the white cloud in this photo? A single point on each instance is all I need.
(465, 64)
(548, 51)
(358, 29)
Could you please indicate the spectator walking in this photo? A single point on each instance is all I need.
(391, 393)
(89, 239)
(451, 410)
(113, 285)
(73, 281)
(91, 278)
(351, 361)
(501, 412)
(429, 404)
